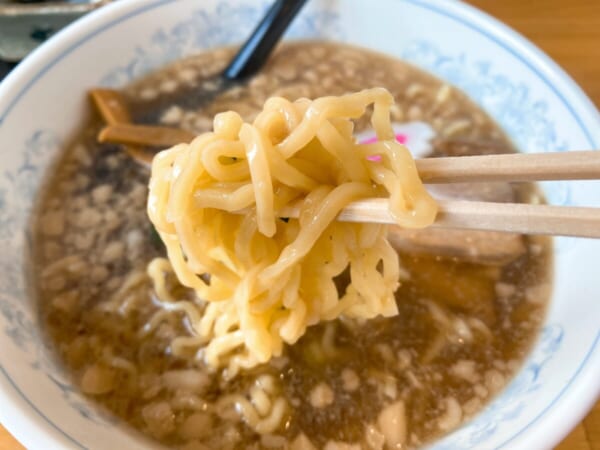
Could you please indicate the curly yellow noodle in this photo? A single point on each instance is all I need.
(222, 161)
(260, 280)
(261, 407)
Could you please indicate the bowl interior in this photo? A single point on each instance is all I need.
(43, 102)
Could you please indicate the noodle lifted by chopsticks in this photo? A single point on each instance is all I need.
(261, 280)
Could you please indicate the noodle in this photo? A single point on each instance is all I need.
(259, 280)
(264, 411)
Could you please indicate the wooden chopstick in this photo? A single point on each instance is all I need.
(520, 218)
(465, 214)
(571, 165)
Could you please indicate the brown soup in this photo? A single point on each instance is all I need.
(470, 304)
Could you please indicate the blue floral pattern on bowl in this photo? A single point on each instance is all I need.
(203, 30)
(492, 87)
(17, 199)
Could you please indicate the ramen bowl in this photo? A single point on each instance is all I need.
(43, 102)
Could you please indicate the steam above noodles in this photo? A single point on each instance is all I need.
(260, 279)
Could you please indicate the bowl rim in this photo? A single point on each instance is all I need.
(24, 414)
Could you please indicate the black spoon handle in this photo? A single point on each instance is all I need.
(257, 48)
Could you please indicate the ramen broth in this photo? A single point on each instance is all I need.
(470, 304)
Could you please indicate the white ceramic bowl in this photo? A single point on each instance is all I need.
(43, 101)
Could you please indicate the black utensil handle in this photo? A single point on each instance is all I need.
(5, 68)
(255, 51)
